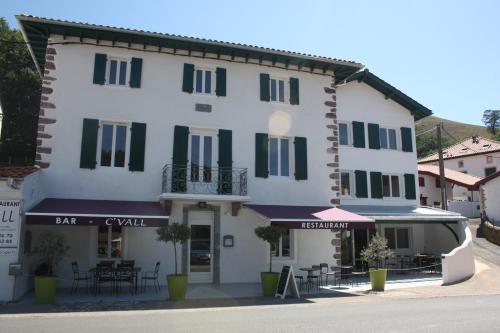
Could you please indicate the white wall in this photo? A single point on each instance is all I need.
(459, 264)
(433, 193)
(359, 102)
(491, 195)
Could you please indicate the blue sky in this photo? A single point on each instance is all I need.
(445, 54)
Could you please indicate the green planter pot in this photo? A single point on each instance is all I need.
(377, 279)
(177, 286)
(45, 289)
(269, 283)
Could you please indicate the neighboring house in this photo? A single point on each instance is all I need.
(140, 129)
(490, 192)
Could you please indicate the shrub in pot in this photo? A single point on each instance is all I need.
(269, 280)
(51, 248)
(177, 234)
(375, 254)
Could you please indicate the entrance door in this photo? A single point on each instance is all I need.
(201, 247)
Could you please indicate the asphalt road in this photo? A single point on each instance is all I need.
(448, 314)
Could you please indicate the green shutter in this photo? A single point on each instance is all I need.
(180, 159)
(261, 155)
(135, 73)
(137, 147)
(220, 84)
(294, 91)
(100, 68)
(361, 184)
(89, 144)
(406, 139)
(373, 136)
(188, 77)
(264, 87)
(410, 191)
(376, 185)
(300, 158)
(225, 161)
(358, 134)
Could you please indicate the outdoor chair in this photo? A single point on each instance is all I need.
(79, 276)
(107, 263)
(300, 280)
(104, 274)
(124, 274)
(151, 276)
(128, 263)
(312, 279)
(323, 269)
(335, 273)
(345, 275)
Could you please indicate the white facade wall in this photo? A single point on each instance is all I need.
(433, 193)
(491, 195)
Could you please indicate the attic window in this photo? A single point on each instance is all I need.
(486, 146)
(465, 149)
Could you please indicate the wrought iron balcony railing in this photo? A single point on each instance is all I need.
(196, 179)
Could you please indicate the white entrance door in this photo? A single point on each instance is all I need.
(201, 247)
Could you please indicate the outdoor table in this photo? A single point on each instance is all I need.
(310, 271)
(114, 271)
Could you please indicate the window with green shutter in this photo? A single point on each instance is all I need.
(180, 158)
(376, 185)
(88, 151)
(225, 161)
(100, 68)
(410, 190)
(264, 87)
(220, 88)
(361, 183)
(188, 77)
(261, 155)
(137, 147)
(135, 73)
(294, 91)
(300, 158)
(373, 136)
(407, 139)
(358, 134)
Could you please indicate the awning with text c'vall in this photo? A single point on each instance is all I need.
(312, 217)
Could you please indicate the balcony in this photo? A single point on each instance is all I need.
(195, 179)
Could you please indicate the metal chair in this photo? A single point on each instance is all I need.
(127, 263)
(323, 269)
(107, 263)
(124, 273)
(345, 274)
(79, 276)
(104, 274)
(151, 276)
(335, 271)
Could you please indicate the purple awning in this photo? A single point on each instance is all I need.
(312, 217)
(98, 212)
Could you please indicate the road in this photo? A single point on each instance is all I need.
(447, 314)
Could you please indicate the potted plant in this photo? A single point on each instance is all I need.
(175, 233)
(51, 249)
(269, 280)
(374, 254)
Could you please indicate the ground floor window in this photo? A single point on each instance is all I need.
(284, 248)
(109, 242)
(397, 238)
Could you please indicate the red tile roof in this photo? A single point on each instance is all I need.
(452, 176)
(467, 147)
(17, 171)
(489, 178)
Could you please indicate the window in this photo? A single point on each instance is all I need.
(489, 171)
(489, 159)
(421, 181)
(204, 81)
(387, 138)
(117, 72)
(202, 157)
(438, 182)
(390, 186)
(344, 134)
(109, 242)
(277, 92)
(397, 238)
(279, 156)
(284, 248)
(113, 145)
(346, 186)
(460, 164)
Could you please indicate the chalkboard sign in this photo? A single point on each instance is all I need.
(287, 279)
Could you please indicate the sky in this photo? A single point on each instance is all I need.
(443, 53)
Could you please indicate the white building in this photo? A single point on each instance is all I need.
(490, 190)
(140, 129)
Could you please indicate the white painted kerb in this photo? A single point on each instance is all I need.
(458, 265)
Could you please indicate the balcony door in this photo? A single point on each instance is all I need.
(202, 174)
(201, 247)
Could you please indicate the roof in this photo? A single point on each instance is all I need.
(17, 171)
(452, 176)
(468, 147)
(417, 110)
(404, 214)
(36, 31)
(489, 178)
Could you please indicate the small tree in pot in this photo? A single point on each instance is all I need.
(51, 249)
(177, 234)
(375, 254)
(270, 234)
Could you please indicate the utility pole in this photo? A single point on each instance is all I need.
(444, 203)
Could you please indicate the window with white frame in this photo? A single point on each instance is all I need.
(202, 155)
(117, 72)
(285, 247)
(278, 90)
(397, 238)
(279, 156)
(113, 144)
(346, 183)
(344, 138)
(388, 138)
(204, 81)
(391, 186)
(109, 242)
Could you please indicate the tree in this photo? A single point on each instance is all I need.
(51, 249)
(270, 234)
(376, 251)
(20, 88)
(427, 143)
(491, 118)
(175, 233)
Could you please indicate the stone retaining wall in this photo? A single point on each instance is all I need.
(491, 232)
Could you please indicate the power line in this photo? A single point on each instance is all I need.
(426, 131)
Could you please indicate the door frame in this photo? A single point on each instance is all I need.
(201, 277)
